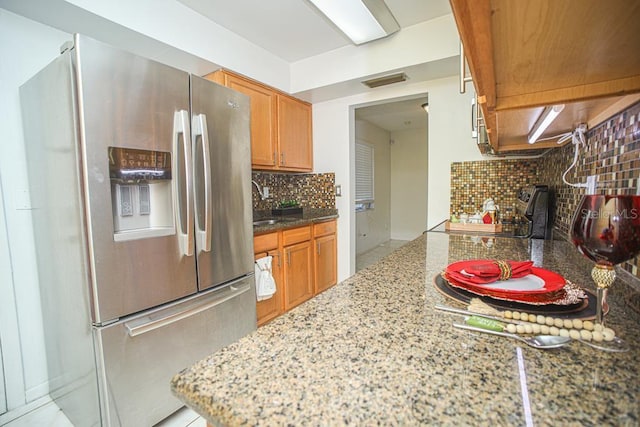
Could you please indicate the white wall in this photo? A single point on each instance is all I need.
(449, 136)
(372, 226)
(26, 47)
(449, 141)
(409, 183)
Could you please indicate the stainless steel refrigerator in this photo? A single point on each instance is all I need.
(141, 194)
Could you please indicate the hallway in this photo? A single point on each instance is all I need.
(373, 255)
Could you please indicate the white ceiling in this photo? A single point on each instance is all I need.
(294, 29)
(396, 115)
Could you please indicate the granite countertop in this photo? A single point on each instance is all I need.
(373, 350)
(308, 216)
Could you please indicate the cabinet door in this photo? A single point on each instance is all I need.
(271, 308)
(263, 112)
(294, 134)
(325, 262)
(298, 278)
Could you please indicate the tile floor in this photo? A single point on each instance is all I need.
(184, 417)
(50, 415)
(369, 257)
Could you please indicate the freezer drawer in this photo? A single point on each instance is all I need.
(137, 357)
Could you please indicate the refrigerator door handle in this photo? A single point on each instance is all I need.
(185, 225)
(203, 234)
(146, 324)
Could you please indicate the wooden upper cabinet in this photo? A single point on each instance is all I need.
(263, 129)
(524, 55)
(280, 125)
(294, 134)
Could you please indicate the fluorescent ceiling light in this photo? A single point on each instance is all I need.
(360, 20)
(548, 115)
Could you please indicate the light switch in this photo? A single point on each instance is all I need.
(338, 190)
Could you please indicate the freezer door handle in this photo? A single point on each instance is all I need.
(147, 324)
(203, 231)
(185, 224)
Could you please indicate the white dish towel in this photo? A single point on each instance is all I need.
(265, 284)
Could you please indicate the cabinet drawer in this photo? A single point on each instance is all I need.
(296, 235)
(323, 228)
(265, 242)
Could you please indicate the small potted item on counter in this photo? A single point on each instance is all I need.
(287, 207)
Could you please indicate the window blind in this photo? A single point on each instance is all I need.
(364, 172)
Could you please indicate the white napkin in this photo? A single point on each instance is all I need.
(265, 284)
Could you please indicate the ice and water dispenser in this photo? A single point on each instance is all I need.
(141, 193)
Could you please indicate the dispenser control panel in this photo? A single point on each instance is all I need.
(133, 165)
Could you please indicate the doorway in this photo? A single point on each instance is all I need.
(397, 133)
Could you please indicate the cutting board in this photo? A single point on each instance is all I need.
(477, 228)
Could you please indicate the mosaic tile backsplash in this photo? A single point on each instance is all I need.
(612, 153)
(474, 182)
(316, 191)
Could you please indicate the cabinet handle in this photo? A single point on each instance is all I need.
(282, 158)
(474, 116)
(274, 158)
(477, 121)
(276, 254)
(463, 78)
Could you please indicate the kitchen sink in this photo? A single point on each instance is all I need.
(271, 221)
(264, 222)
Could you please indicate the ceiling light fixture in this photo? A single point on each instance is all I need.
(425, 107)
(548, 115)
(360, 20)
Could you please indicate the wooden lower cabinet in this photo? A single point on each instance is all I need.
(325, 263)
(264, 245)
(304, 264)
(298, 277)
(325, 258)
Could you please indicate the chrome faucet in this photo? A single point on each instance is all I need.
(262, 195)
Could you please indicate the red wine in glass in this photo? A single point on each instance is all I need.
(606, 229)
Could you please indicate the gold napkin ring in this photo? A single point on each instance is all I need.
(505, 269)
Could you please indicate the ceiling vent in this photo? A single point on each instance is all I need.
(386, 80)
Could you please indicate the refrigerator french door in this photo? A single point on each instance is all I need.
(140, 184)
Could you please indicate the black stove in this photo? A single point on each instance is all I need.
(533, 212)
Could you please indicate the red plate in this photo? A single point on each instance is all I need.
(554, 297)
(539, 281)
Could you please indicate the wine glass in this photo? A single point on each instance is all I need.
(606, 229)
